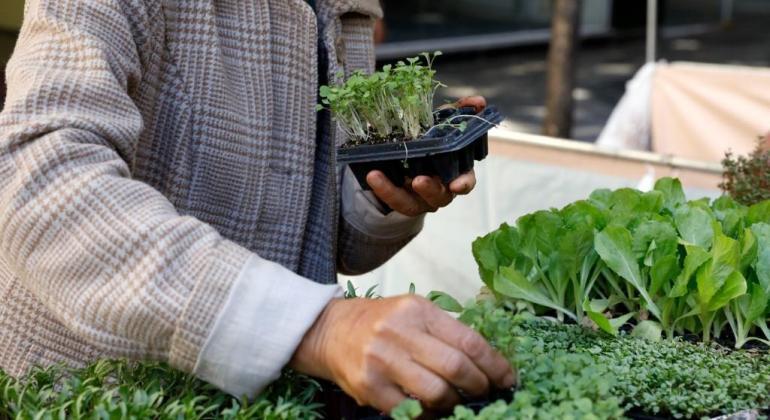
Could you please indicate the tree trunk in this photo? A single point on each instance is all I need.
(561, 68)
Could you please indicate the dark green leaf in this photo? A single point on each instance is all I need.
(749, 250)
(733, 287)
(445, 302)
(759, 213)
(761, 264)
(673, 194)
(755, 303)
(614, 247)
(486, 255)
(694, 225)
(663, 234)
(725, 259)
(696, 257)
(595, 311)
(511, 283)
(664, 272)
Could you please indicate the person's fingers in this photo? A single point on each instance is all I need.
(426, 386)
(463, 184)
(459, 336)
(387, 397)
(432, 191)
(397, 198)
(449, 363)
(477, 102)
(370, 383)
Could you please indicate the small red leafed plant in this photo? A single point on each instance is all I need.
(747, 178)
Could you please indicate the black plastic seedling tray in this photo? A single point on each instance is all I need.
(445, 152)
(338, 405)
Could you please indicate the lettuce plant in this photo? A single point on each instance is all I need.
(394, 103)
(692, 267)
(525, 262)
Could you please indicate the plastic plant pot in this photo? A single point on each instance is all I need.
(444, 151)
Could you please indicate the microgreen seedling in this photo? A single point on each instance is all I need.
(394, 103)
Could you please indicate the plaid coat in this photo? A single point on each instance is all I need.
(148, 148)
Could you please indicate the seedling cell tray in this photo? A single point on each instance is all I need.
(446, 151)
(338, 405)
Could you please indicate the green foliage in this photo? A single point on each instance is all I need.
(694, 267)
(670, 377)
(747, 178)
(351, 292)
(121, 390)
(396, 102)
(566, 370)
(409, 409)
(554, 385)
(445, 302)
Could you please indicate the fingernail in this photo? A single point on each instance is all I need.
(510, 380)
(375, 181)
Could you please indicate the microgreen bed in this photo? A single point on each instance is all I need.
(122, 390)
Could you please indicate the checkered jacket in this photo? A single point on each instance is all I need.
(148, 149)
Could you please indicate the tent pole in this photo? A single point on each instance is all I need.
(652, 30)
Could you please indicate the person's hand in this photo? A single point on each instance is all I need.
(425, 194)
(381, 351)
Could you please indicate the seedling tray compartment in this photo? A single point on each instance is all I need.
(446, 152)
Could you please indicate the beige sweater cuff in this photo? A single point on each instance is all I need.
(214, 279)
(266, 315)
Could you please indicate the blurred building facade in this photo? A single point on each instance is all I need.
(468, 25)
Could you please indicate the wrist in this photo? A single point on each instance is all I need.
(311, 356)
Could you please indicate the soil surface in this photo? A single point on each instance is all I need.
(441, 116)
(375, 140)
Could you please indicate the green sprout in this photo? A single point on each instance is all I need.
(396, 102)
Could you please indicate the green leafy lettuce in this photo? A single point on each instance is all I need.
(690, 267)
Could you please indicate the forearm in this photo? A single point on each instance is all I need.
(369, 236)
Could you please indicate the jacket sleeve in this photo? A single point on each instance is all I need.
(107, 255)
(369, 236)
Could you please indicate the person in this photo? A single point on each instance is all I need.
(169, 193)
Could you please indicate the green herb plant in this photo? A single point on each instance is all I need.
(394, 103)
(567, 371)
(674, 266)
(124, 390)
(351, 292)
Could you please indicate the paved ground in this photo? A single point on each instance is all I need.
(514, 80)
